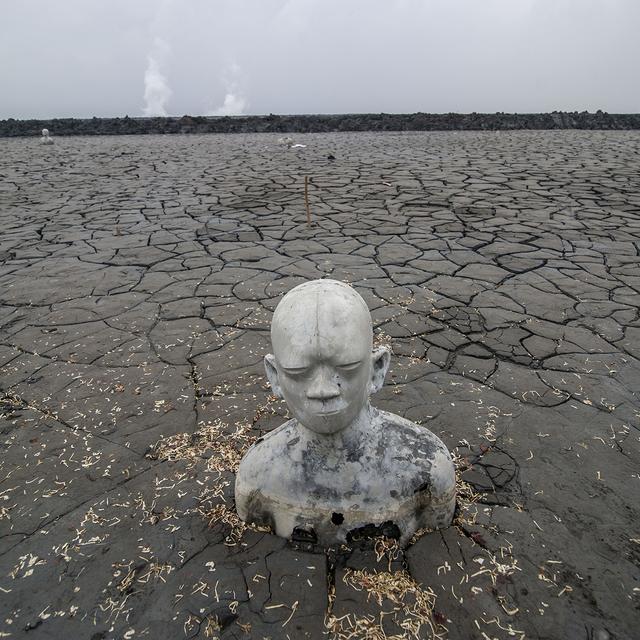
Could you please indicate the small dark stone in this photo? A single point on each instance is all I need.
(304, 535)
(423, 487)
(387, 529)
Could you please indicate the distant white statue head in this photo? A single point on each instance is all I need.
(46, 139)
(340, 468)
(322, 362)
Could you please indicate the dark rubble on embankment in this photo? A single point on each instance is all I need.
(599, 120)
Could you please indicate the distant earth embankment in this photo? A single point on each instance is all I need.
(322, 123)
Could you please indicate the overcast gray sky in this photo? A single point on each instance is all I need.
(143, 57)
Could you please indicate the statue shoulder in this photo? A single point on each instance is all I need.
(263, 466)
(394, 422)
(427, 463)
(400, 432)
(274, 440)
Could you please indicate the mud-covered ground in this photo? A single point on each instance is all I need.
(138, 277)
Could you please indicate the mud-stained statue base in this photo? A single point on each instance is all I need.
(340, 466)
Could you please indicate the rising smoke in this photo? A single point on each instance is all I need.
(157, 91)
(234, 102)
(234, 105)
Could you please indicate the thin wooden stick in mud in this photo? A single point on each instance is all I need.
(306, 200)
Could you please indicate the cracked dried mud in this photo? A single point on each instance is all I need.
(138, 276)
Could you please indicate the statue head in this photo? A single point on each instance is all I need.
(323, 362)
(45, 133)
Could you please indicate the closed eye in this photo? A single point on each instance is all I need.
(295, 371)
(349, 366)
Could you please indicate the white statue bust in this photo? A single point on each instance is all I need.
(340, 466)
(46, 139)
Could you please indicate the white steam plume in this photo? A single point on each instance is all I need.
(234, 102)
(157, 91)
(233, 105)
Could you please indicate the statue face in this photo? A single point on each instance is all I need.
(323, 365)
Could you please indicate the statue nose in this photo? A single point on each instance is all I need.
(322, 387)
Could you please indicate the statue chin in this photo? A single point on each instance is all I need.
(324, 424)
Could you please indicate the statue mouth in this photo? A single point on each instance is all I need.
(326, 409)
(332, 412)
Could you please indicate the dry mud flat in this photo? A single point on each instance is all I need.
(138, 277)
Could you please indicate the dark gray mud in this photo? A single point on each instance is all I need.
(137, 282)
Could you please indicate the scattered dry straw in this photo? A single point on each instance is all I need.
(222, 446)
(409, 606)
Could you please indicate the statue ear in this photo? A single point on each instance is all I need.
(380, 359)
(272, 374)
